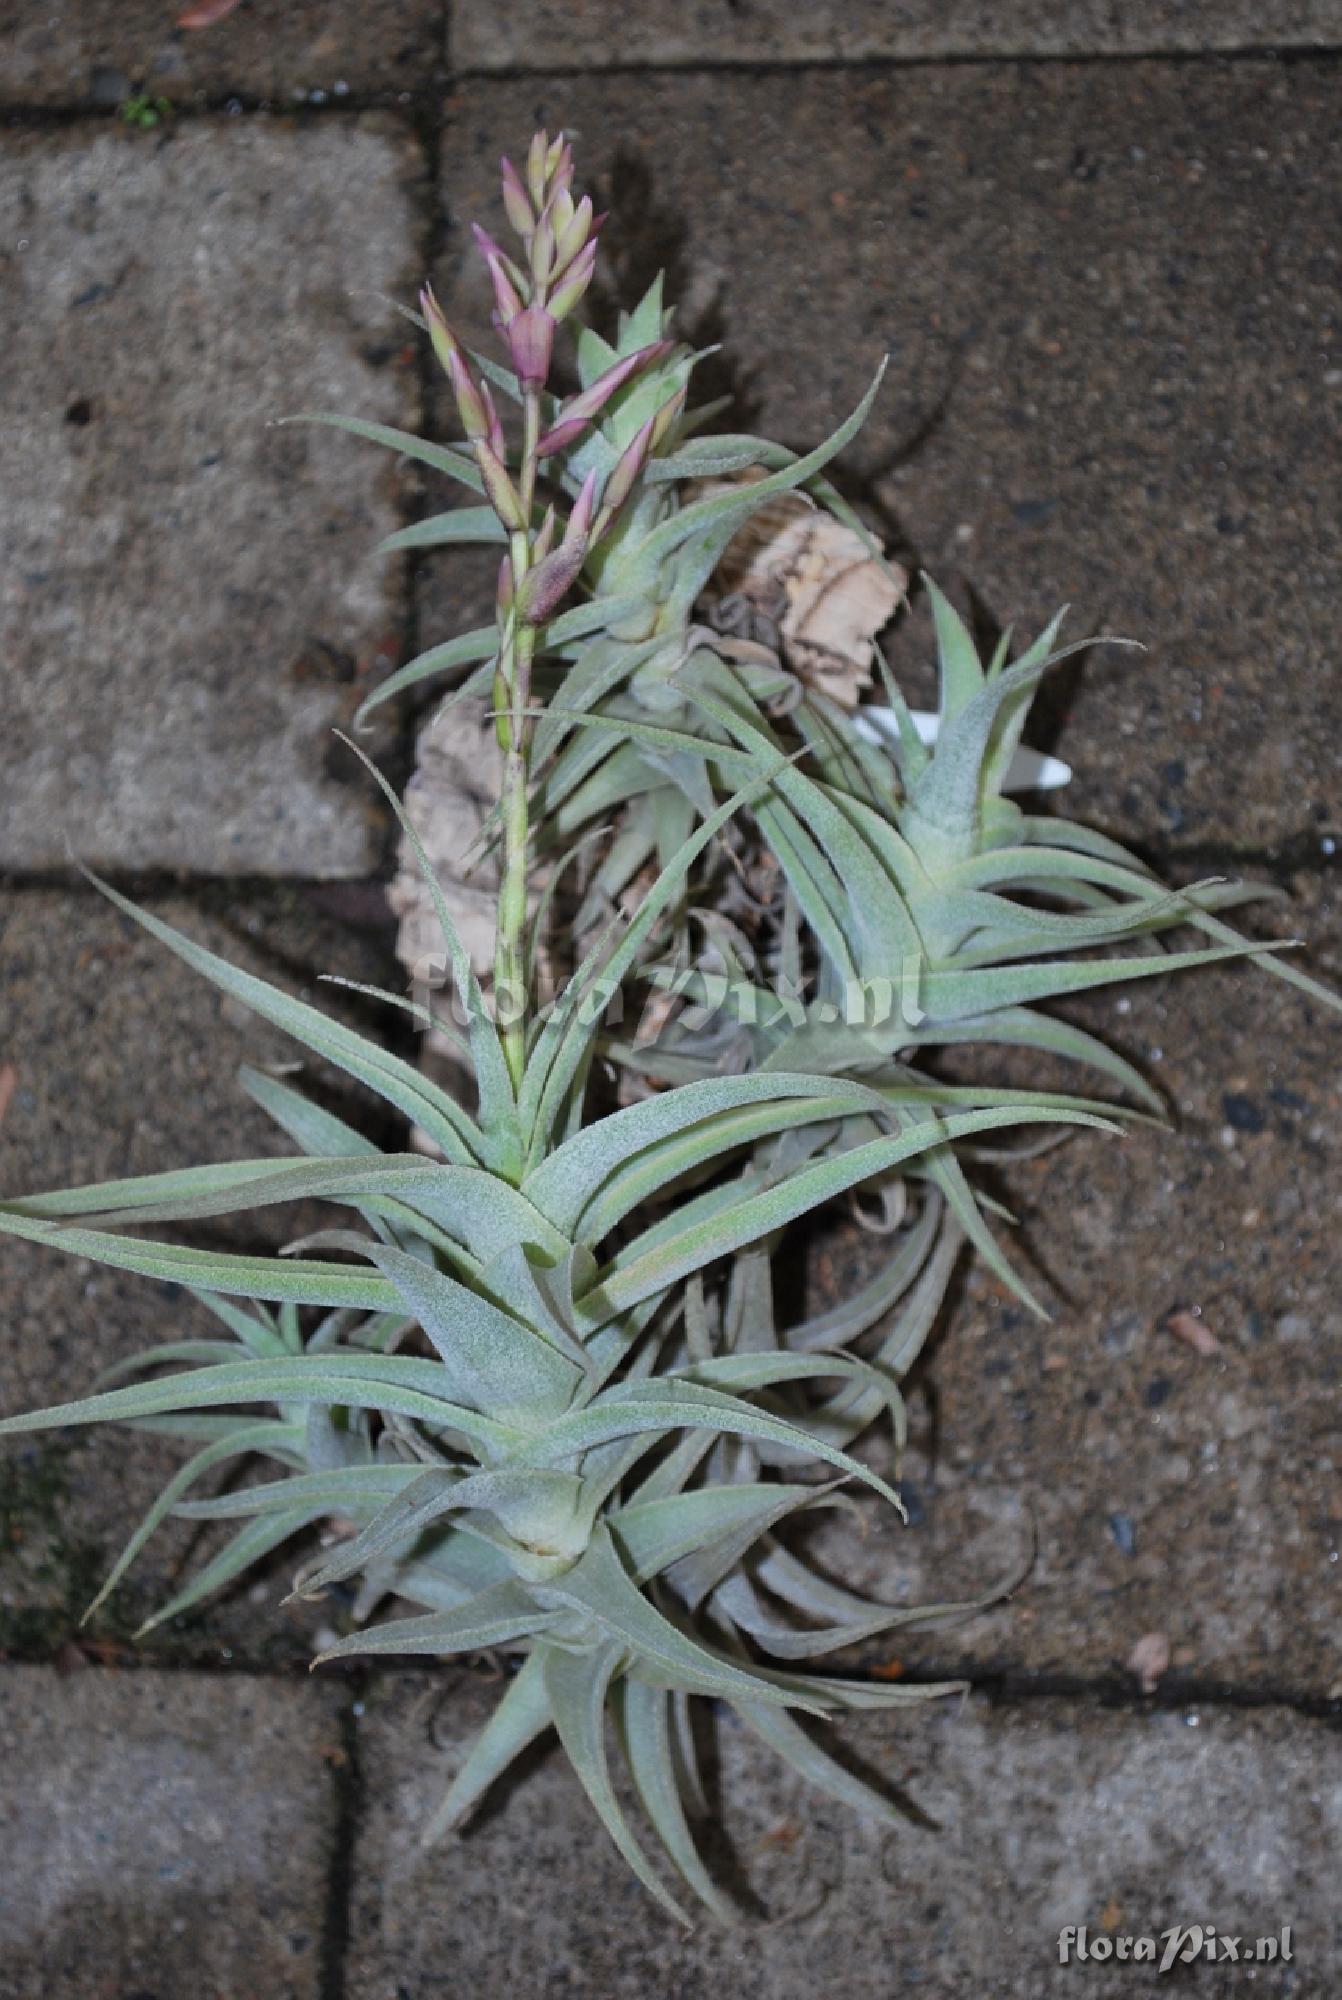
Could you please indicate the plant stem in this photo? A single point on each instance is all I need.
(512, 699)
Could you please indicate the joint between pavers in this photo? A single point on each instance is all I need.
(1009, 1687)
(227, 104)
(350, 1790)
(131, 1661)
(882, 65)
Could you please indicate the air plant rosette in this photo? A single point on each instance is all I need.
(537, 1387)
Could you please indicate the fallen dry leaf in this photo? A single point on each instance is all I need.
(889, 1670)
(819, 581)
(1189, 1327)
(9, 1078)
(1149, 1659)
(1111, 1916)
(205, 13)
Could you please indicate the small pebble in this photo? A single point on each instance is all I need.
(1124, 1533)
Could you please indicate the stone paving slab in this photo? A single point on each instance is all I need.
(1045, 1815)
(586, 34)
(1110, 293)
(124, 1062)
(191, 600)
(101, 52)
(1192, 1495)
(164, 1835)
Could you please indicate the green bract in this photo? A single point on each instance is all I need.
(539, 1379)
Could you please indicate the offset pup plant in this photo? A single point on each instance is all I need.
(538, 1385)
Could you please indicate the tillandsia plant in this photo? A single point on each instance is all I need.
(540, 1395)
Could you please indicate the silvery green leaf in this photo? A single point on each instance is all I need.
(601, 668)
(643, 1715)
(541, 1294)
(680, 1162)
(656, 1532)
(852, 1316)
(698, 1572)
(828, 1692)
(648, 320)
(257, 1328)
(269, 1437)
(347, 1490)
(521, 1716)
(791, 1742)
(432, 662)
(576, 1686)
(396, 1081)
(640, 1270)
(459, 525)
(961, 672)
(663, 1406)
(566, 1183)
(453, 1568)
(883, 931)
(763, 1371)
(213, 1270)
(194, 1351)
(234, 1185)
(532, 1507)
(365, 1381)
(953, 996)
(581, 620)
(737, 1596)
(599, 1586)
(312, 1128)
(489, 1359)
(1265, 956)
(504, 1612)
(1018, 1027)
(697, 534)
(451, 459)
(146, 1191)
(255, 1541)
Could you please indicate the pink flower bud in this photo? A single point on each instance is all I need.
(573, 234)
(536, 169)
(627, 467)
(500, 492)
(440, 333)
(493, 427)
(542, 249)
(470, 402)
(580, 519)
(575, 282)
(578, 413)
(516, 206)
(506, 302)
(544, 586)
(531, 343)
(666, 416)
(559, 163)
(545, 535)
(495, 255)
(559, 209)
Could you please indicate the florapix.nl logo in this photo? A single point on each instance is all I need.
(1181, 1944)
